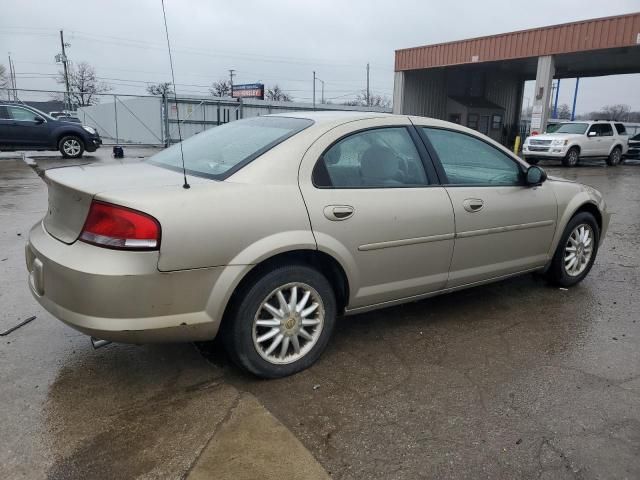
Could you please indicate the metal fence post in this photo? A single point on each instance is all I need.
(165, 121)
(115, 109)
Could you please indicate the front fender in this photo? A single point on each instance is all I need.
(571, 197)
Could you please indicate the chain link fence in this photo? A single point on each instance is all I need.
(146, 120)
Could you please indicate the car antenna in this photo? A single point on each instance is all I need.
(175, 98)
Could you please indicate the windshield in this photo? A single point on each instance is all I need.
(553, 127)
(221, 151)
(579, 128)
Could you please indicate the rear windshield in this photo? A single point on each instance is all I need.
(572, 128)
(221, 151)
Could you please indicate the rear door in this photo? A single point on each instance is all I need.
(27, 129)
(375, 205)
(502, 226)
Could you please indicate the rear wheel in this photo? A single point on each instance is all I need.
(576, 251)
(71, 146)
(572, 157)
(281, 323)
(615, 157)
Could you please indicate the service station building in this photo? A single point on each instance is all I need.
(479, 82)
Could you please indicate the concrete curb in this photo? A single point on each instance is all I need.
(253, 444)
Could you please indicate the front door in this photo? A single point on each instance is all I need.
(502, 226)
(375, 206)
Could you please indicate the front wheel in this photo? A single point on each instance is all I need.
(71, 146)
(615, 157)
(572, 157)
(576, 251)
(281, 323)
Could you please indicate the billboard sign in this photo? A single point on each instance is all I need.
(249, 90)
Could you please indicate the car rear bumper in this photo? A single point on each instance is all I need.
(119, 296)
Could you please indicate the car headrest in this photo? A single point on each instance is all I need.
(379, 163)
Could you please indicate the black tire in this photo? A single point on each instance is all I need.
(238, 325)
(572, 157)
(71, 146)
(557, 272)
(532, 160)
(615, 157)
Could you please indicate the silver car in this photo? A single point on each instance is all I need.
(284, 222)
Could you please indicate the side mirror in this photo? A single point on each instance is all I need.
(38, 120)
(535, 175)
(592, 133)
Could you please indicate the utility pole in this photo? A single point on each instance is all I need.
(314, 89)
(231, 75)
(12, 81)
(368, 92)
(322, 95)
(66, 71)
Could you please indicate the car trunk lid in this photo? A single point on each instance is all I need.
(71, 190)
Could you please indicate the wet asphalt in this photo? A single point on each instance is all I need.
(516, 379)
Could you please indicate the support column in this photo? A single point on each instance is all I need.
(398, 93)
(542, 94)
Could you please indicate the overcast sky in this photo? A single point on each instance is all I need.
(276, 41)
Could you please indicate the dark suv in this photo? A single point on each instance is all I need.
(26, 128)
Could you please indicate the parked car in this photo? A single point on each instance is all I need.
(572, 141)
(634, 147)
(284, 222)
(26, 128)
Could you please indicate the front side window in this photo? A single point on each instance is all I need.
(378, 158)
(601, 129)
(578, 128)
(220, 151)
(467, 160)
(18, 113)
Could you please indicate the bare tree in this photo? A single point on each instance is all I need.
(616, 112)
(611, 112)
(276, 94)
(373, 101)
(564, 112)
(4, 81)
(221, 88)
(84, 86)
(161, 89)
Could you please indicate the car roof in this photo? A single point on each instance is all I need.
(332, 116)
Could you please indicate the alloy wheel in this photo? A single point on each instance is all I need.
(71, 147)
(288, 323)
(578, 250)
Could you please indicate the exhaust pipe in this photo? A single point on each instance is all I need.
(97, 343)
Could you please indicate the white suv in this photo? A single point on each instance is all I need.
(575, 140)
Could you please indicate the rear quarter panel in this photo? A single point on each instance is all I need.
(222, 223)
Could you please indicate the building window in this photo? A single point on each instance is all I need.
(496, 121)
(472, 121)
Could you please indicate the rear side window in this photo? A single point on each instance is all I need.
(377, 158)
(620, 129)
(221, 151)
(467, 160)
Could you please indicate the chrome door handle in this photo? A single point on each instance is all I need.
(473, 205)
(338, 212)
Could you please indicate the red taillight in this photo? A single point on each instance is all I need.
(113, 226)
